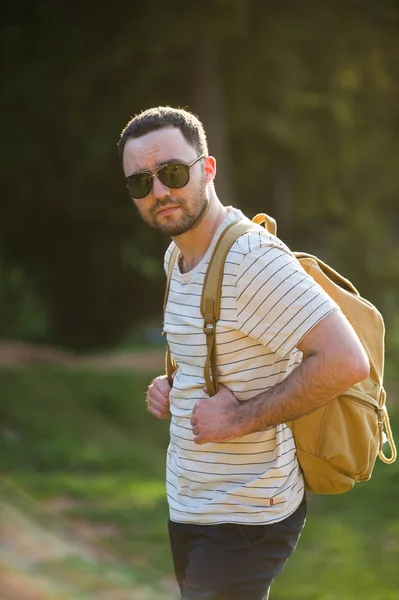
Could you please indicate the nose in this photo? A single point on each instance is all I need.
(159, 190)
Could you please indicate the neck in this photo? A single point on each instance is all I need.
(194, 243)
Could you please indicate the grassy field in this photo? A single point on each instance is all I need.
(82, 466)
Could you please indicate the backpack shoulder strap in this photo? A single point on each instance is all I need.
(171, 264)
(170, 366)
(210, 299)
(211, 296)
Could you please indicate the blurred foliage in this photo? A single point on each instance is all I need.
(300, 102)
(22, 314)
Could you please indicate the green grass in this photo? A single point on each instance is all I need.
(86, 436)
(350, 546)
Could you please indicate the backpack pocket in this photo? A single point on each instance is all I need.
(337, 444)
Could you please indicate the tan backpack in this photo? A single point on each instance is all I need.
(337, 444)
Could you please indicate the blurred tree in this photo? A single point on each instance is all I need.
(300, 105)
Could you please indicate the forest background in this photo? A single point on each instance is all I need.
(300, 101)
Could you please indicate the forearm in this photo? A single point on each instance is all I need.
(309, 386)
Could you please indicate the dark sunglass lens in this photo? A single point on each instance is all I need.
(139, 185)
(174, 176)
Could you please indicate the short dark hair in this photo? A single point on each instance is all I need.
(165, 116)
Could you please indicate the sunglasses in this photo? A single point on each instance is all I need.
(173, 175)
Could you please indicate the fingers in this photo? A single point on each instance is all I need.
(199, 439)
(195, 428)
(160, 412)
(162, 384)
(158, 398)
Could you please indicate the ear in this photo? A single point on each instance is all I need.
(210, 168)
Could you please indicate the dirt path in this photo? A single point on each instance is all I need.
(44, 557)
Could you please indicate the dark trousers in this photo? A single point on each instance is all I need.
(232, 562)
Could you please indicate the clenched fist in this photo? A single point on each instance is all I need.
(158, 398)
(220, 418)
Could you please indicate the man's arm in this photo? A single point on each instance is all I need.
(334, 360)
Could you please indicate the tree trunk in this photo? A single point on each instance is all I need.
(208, 104)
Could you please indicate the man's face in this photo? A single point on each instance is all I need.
(172, 211)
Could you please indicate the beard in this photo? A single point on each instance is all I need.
(192, 210)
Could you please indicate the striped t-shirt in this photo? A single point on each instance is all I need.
(268, 304)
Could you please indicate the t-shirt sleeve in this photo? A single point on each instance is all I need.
(277, 302)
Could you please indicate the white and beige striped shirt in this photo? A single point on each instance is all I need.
(268, 304)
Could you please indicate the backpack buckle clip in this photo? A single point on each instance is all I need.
(209, 328)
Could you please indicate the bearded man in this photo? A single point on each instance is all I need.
(234, 486)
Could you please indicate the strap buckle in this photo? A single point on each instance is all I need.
(209, 328)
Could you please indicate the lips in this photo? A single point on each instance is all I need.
(166, 210)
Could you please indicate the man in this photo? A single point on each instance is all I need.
(234, 486)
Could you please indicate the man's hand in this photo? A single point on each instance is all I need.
(158, 398)
(217, 419)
